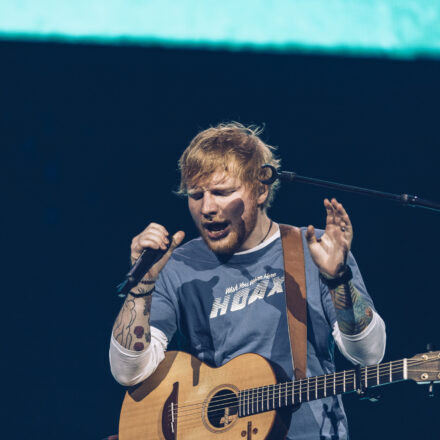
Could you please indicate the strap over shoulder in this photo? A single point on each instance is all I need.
(296, 296)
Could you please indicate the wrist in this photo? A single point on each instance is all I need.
(342, 277)
(143, 288)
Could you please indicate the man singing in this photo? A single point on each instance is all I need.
(224, 292)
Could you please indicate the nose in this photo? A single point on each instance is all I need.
(209, 204)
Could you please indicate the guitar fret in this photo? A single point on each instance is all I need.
(258, 397)
(267, 395)
(293, 392)
(270, 399)
(325, 385)
(377, 374)
(256, 400)
(366, 377)
(391, 372)
(273, 397)
(343, 382)
(308, 389)
(300, 390)
(263, 399)
(316, 387)
(245, 401)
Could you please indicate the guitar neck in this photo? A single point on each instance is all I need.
(270, 397)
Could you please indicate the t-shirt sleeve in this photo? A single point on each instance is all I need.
(164, 313)
(367, 347)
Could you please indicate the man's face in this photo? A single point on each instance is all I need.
(224, 211)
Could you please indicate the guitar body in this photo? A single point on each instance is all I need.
(184, 398)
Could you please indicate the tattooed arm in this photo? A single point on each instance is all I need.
(359, 331)
(353, 313)
(330, 253)
(136, 349)
(132, 329)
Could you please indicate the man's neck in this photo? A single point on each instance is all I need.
(263, 229)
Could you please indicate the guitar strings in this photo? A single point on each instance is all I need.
(338, 376)
(255, 402)
(285, 390)
(197, 414)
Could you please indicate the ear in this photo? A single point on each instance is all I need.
(263, 193)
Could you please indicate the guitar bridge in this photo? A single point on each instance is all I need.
(169, 414)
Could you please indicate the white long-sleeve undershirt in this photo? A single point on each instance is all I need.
(131, 367)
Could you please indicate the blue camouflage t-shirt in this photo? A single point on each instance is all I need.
(227, 308)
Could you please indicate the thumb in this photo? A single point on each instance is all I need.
(310, 235)
(157, 267)
(176, 240)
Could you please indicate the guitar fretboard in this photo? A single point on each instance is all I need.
(270, 397)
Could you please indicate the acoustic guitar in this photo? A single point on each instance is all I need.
(187, 399)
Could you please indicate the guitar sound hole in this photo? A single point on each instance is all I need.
(222, 408)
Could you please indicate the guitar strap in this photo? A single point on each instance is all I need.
(296, 297)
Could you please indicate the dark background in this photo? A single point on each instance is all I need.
(91, 136)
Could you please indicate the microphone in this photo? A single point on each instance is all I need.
(142, 265)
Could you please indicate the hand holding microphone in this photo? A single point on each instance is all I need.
(150, 251)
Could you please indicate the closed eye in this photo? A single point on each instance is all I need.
(196, 195)
(222, 192)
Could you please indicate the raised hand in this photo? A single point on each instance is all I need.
(155, 236)
(132, 326)
(330, 251)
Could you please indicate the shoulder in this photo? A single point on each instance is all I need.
(192, 251)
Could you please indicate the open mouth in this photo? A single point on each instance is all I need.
(216, 230)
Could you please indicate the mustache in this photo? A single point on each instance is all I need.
(213, 222)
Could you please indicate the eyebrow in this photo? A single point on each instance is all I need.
(219, 187)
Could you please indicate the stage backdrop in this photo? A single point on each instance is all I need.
(91, 136)
(403, 29)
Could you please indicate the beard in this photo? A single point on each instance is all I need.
(237, 234)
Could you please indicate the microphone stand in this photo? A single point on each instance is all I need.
(403, 199)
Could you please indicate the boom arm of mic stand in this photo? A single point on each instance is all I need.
(403, 199)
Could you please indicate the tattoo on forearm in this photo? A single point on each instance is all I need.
(128, 330)
(352, 311)
(122, 329)
(147, 308)
(139, 331)
(138, 346)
